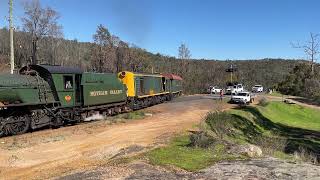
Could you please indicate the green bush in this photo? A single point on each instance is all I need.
(134, 115)
(201, 139)
(263, 101)
(220, 123)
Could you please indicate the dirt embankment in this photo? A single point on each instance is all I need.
(83, 151)
(51, 153)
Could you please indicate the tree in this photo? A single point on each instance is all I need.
(40, 22)
(102, 40)
(184, 52)
(311, 48)
(122, 51)
(184, 55)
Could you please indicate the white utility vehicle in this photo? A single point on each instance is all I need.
(234, 89)
(214, 90)
(241, 97)
(257, 88)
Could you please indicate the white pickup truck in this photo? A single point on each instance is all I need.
(241, 97)
(234, 89)
(257, 88)
(214, 90)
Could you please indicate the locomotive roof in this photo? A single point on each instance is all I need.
(53, 69)
(172, 76)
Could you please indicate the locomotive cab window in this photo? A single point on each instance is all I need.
(68, 82)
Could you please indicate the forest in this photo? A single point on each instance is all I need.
(44, 44)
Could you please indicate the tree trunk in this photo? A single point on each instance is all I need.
(34, 52)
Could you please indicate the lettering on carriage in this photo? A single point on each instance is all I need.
(105, 93)
(116, 91)
(98, 93)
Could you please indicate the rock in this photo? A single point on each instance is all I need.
(249, 150)
(148, 114)
(254, 151)
(264, 168)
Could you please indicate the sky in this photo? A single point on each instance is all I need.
(212, 29)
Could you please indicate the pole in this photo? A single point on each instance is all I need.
(11, 37)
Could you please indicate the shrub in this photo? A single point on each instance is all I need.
(134, 115)
(263, 102)
(271, 144)
(201, 139)
(306, 156)
(219, 123)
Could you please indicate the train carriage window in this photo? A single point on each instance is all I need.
(68, 82)
(163, 84)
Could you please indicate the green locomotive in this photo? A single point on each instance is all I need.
(43, 95)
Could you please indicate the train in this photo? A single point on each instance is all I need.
(46, 95)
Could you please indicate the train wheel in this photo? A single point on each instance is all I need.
(20, 125)
(2, 131)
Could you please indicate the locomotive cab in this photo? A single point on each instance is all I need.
(65, 83)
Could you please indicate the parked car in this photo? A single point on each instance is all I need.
(214, 90)
(241, 97)
(236, 88)
(257, 88)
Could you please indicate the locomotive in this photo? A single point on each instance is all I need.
(45, 95)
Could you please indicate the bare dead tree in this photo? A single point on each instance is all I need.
(311, 48)
(184, 55)
(40, 22)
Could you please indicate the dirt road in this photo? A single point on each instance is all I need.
(52, 153)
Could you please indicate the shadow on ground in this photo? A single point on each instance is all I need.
(297, 138)
(307, 101)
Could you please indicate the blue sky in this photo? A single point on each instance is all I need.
(212, 29)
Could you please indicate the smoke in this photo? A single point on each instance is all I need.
(133, 18)
(94, 117)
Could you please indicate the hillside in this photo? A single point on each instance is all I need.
(198, 74)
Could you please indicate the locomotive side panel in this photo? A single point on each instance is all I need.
(101, 89)
(24, 90)
(149, 85)
(176, 86)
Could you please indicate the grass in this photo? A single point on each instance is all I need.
(280, 130)
(130, 115)
(292, 115)
(276, 94)
(134, 115)
(178, 153)
(299, 126)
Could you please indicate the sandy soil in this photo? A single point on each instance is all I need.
(54, 152)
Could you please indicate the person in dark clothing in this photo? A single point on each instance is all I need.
(221, 94)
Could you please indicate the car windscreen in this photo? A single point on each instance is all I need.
(242, 94)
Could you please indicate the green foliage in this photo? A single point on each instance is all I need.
(134, 115)
(180, 154)
(302, 82)
(116, 55)
(201, 139)
(280, 127)
(276, 127)
(219, 123)
(263, 101)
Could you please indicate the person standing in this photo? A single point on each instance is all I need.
(221, 94)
